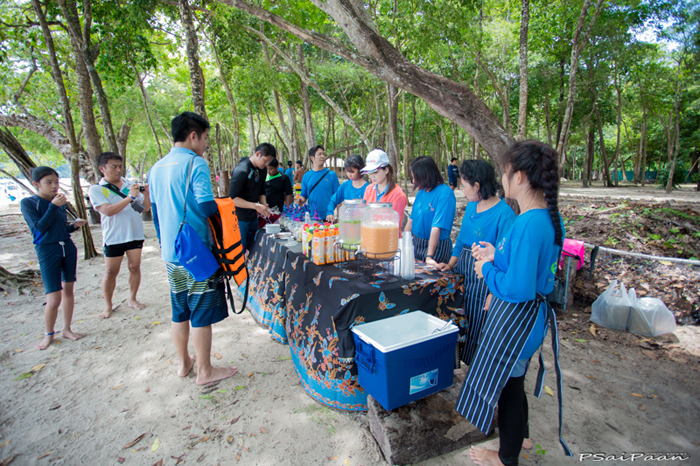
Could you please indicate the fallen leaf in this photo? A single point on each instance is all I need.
(155, 445)
(526, 457)
(284, 358)
(97, 347)
(548, 391)
(235, 420)
(579, 340)
(595, 361)
(205, 438)
(169, 361)
(217, 355)
(593, 330)
(54, 407)
(193, 436)
(37, 368)
(347, 462)
(159, 462)
(148, 389)
(222, 391)
(333, 458)
(641, 408)
(238, 457)
(118, 386)
(156, 322)
(120, 459)
(637, 395)
(245, 448)
(179, 459)
(134, 442)
(201, 458)
(18, 351)
(649, 354)
(9, 460)
(666, 262)
(188, 427)
(25, 376)
(251, 374)
(229, 439)
(239, 387)
(45, 455)
(5, 444)
(262, 431)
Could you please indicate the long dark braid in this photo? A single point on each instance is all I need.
(540, 164)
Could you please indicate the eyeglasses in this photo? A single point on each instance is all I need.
(257, 175)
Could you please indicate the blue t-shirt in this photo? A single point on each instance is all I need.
(290, 173)
(166, 182)
(46, 220)
(346, 191)
(433, 209)
(525, 259)
(321, 194)
(452, 174)
(490, 225)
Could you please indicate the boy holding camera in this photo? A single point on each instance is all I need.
(120, 204)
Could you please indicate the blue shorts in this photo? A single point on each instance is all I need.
(248, 231)
(201, 303)
(58, 263)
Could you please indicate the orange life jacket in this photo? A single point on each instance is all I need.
(228, 248)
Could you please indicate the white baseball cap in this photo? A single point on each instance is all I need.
(375, 160)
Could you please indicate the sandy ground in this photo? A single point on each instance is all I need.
(93, 397)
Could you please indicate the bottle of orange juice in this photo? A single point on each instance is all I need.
(330, 254)
(319, 247)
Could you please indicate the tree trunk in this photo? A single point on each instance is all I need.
(144, 98)
(643, 171)
(619, 124)
(229, 97)
(309, 131)
(547, 119)
(123, 136)
(676, 105)
(393, 106)
(577, 47)
(522, 112)
(377, 55)
(251, 132)
(586, 178)
(81, 40)
(603, 150)
(196, 75)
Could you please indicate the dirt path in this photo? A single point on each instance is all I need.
(92, 397)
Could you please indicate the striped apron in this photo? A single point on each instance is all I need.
(442, 253)
(506, 329)
(475, 293)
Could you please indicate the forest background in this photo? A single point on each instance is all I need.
(613, 85)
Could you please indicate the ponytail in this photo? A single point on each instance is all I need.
(539, 162)
(390, 177)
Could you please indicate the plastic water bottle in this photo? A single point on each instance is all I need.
(307, 217)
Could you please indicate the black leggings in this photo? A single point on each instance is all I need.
(512, 420)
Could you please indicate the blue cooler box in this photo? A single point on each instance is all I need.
(400, 359)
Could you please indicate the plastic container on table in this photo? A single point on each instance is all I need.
(380, 230)
(400, 359)
(350, 222)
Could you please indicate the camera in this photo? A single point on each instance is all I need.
(142, 188)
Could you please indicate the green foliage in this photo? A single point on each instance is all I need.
(678, 175)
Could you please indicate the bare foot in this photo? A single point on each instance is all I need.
(527, 444)
(186, 366)
(71, 335)
(136, 305)
(106, 314)
(484, 457)
(45, 342)
(216, 374)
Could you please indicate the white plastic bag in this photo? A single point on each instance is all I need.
(650, 317)
(612, 308)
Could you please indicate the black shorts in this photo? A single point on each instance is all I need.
(453, 184)
(118, 250)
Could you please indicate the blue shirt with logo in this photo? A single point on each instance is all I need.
(435, 208)
(320, 195)
(346, 191)
(290, 173)
(489, 226)
(166, 181)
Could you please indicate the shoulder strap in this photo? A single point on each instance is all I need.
(319, 180)
(187, 189)
(114, 189)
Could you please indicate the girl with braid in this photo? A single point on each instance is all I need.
(519, 272)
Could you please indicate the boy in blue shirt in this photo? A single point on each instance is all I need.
(198, 304)
(319, 184)
(354, 188)
(453, 174)
(289, 171)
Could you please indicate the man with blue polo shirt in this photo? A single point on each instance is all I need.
(319, 184)
(199, 304)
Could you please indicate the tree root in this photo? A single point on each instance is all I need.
(18, 280)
